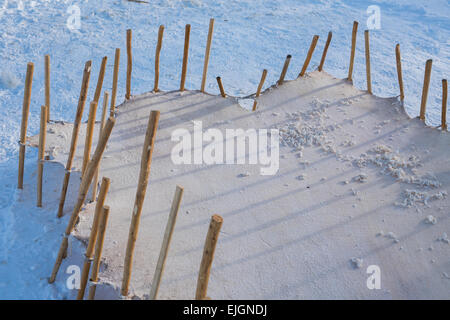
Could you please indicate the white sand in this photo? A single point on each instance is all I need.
(370, 176)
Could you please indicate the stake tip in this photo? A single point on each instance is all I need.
(216, 218)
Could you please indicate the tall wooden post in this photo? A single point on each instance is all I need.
(89, 135)
(24, 126)
(157, 56)
(47, 85)
(309, 55)
(208, 256)
(101, 76)
(260, 85)
(367, 47)
(399, 72)
(129, 64)
(41, 153)
(75, 130)
(426, 85)
(352, 53)
(285, 68)
(146, 161)
(444, 105)
(325, 50)
(207, 51)
(185, 56)
(112, 108)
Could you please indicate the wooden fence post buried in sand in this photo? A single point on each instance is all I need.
(146, 161)
(444, 105)
(352, 52)
(367, 47)
(47, 85)
(24, 126)
(42, 134)
(285, 68)
(89, 134)
(98, 251)
(157, 56)
(325, 50)
(112, 108)
(93, 237)
(399, 72)
(208, 256)
(166, 242)
(185, 56)
(84, 187)
(426, 85)
(75, 130)
(260, 85)
(102, 124)
(207, 51)
(222, 91)
(101, 76)
(129, 64)
(309, 55)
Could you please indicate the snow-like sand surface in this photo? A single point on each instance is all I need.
(357, 180)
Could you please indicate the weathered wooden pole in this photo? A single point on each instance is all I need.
(208, 256)
(47, 85)
(101, 76)
(285, 68)
(41, 153)
(112, 108)
(399, 72)
(352, 52)
(185, 56)
(98, 252)
(85, 183)
(207, 51)
(260, 85)
(157, 56)
(444, 105)
(222, 91)
(129, 64)
(93, 237)
(309, 55)
(166, 242)
(367, 47)
(426, 85)
(24, 125)
(146, 161)
(102, 124)
(75, 130)
(89, 135)
(325, 50)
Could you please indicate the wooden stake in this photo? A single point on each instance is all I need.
(352, 53)
(42, 134)
(309, 55)
(101, 76)
(426, 85)
(222, 91)
(102, 124)
(325, 50)
(399, 72)
(146, 161)
(208, 256)
(367, 47)
(98, 252)
(185, 56)
(85, 183)
(129, 64)
(260, 85)
(166, 242)
(47, 85)
(207, 51)
(157, 55)
(24, 126)
(285, 68)
(89, 134)
(93, 237)
(444, 105)
(75, 130)
(112, 108)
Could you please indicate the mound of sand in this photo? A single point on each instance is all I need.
(357, 180)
